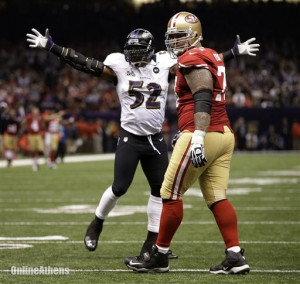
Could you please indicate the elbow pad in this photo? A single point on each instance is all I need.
(81, 62)
(203, 100)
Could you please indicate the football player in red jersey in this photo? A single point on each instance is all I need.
(52, 136)
(203, 150)
(141, 79)
(34, 123)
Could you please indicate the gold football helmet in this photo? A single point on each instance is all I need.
(184, 32)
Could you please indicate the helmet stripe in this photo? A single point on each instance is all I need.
(173, 22)
(137, 33)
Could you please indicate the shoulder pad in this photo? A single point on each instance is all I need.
(115, 59)
(164, 57)
(194, 57)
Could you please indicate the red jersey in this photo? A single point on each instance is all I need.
(210, 60)
(34, 124)
(12, 127)
(53, 125)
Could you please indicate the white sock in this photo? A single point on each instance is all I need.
(234, 249)
(106, 203)
(9, 154)
(163, 250)
(154, 211)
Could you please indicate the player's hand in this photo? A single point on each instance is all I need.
(197, 149)
(245, 48)
(37, 40)
(175, 138)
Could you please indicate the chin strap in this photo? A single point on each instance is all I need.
(197, 41)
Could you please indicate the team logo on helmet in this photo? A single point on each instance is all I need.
(191, 19)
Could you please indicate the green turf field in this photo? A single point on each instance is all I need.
(44, 216)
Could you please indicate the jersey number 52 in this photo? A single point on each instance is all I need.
(151, 103)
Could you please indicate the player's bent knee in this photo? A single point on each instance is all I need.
(165, 194)
(211, 206)
(119, 190)
(212, 197)
(155, 191)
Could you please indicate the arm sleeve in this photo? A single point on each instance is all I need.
(78, 61)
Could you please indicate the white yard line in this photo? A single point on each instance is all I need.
(197, 209)
(140, 241)
(171, 270)
(44, 238)
(144, 223)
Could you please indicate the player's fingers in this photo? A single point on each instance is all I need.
(250, 40)
(36, 32)
(31, 36)
(254, 45)
(238, 40)
(31, 40)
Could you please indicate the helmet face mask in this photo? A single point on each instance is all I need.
(139, 47)
(184, 32)
(177, 42)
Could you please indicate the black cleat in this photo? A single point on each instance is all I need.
(234, 263)
(134, 260)
(92, 234)
(157, 262)
(172, 255)
(145, 255)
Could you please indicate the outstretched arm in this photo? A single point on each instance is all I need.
(241, 48)
(70, 56)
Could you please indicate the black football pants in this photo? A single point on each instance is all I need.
(130, 150)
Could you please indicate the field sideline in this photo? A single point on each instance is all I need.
(68, 159)
(44, 216)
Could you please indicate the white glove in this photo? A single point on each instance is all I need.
(245, 48)
(37, 40)
(197, 149)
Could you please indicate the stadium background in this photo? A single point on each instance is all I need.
(44, 215)
(270, 82)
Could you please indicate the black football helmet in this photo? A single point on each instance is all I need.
(139, 47)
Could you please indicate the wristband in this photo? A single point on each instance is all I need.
(51, 46)
(229, 54)
(198, 137)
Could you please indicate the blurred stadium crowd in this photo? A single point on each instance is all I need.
(96, 28)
